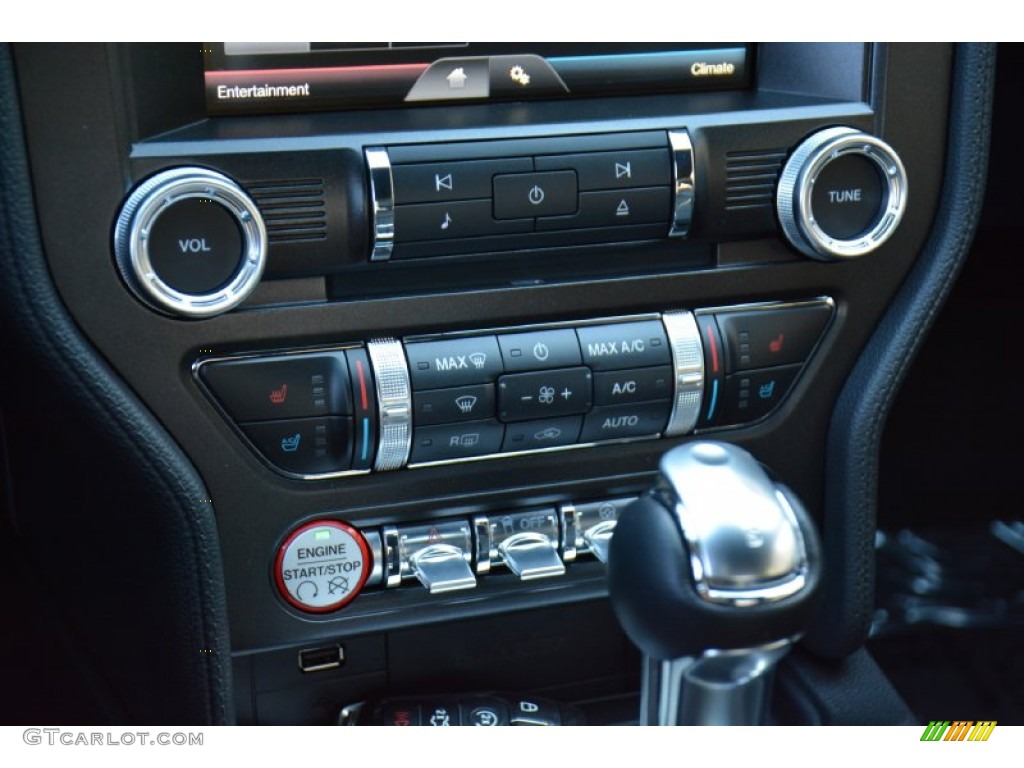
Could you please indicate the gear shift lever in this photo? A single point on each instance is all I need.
(713, 575)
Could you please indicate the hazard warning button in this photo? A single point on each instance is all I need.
(322, 566)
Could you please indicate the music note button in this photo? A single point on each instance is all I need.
(449, 220)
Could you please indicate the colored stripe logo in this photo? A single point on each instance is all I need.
(958, 730)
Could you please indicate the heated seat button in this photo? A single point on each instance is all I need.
(456, 441)
(544, 394)
(649, 205)
(285, 387)
(624, 345)
(444, 221)
(614, 170)
(753, 394)
(443, 181)
(441, 406)
(614, 422)
(537, 350)
(525, 195)
(536, 435)
(304, 446)
(761, 338)
(634, 385)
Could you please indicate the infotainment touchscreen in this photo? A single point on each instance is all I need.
(248, 78)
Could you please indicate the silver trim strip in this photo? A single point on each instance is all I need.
(382, 194)
(394, 403)
(155, 196)
(683, 184)
(373, 541)
(392, 556)
(796, 186)
(688, 363)
(482, 553)
(569, 524)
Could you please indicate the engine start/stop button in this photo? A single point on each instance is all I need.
(322, 566)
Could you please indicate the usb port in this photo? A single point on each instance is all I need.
(321, 659)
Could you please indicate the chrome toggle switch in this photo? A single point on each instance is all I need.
(595, 524)
(527, 542)
(437, 554)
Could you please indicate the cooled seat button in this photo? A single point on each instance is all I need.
(322, 566)
(753, 394)
(304, 446)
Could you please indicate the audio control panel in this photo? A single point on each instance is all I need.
(438, 199)
(386, 404)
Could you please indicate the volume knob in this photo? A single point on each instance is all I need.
(841, 195)
(190, 242)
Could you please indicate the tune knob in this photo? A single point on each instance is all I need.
(841, 194)
(191, 242)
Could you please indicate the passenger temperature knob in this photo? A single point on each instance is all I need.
(190, 242)
(841, 194)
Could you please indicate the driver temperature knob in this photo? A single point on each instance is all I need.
(841, 195)
(190, 242)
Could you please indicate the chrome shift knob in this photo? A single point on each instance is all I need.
(713, 575)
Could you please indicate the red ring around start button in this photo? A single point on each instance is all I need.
(322, 566)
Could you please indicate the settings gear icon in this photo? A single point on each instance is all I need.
(518, 75)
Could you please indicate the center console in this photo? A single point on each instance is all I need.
(425, 317)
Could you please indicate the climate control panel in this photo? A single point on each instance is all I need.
(386, 403)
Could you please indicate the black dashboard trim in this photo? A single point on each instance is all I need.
(860, 415)
(134, 483)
